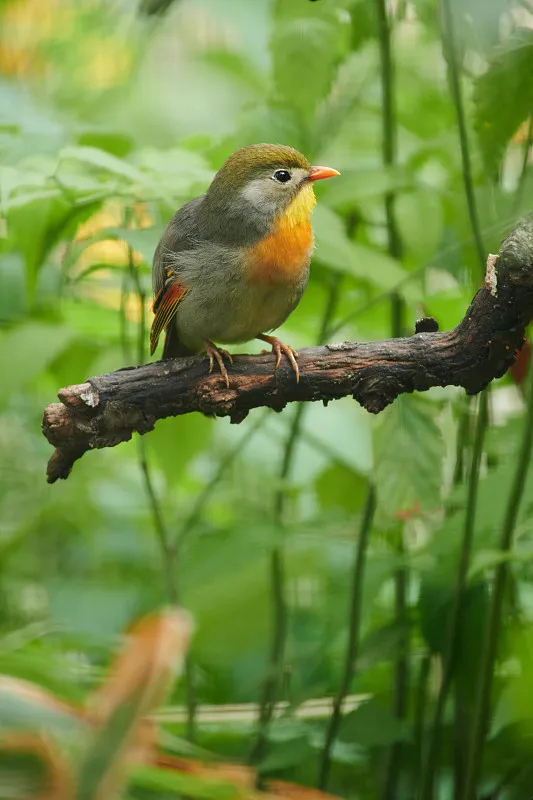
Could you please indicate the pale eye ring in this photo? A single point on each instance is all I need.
(282, 175)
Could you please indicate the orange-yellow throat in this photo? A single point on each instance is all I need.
(284, 254)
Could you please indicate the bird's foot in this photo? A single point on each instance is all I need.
(217, 354)
(278, 347)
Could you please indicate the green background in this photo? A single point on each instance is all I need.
(110, 118)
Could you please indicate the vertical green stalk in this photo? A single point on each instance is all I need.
(462, 439)
(167, 547)
(428, 783)
(389, 147)
(168, 552)
(401, 670)
(353, 635)
(451, 55)
(277, 580)
(389, 137)
(525, 158)
(452, 58)
(420, 713)
(492, 631)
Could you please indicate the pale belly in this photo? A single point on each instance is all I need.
(236, 313)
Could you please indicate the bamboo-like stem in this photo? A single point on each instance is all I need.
(428, 782)
(353, 636)
(525, 160)
(492, 631)
(401, 670)
(454, 73)
(451, 55)
(271, 682)
(420, 703)
(167, 550)
(389, 147)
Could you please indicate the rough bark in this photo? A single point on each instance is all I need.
(107, 410)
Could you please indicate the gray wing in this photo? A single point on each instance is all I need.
(182, 233)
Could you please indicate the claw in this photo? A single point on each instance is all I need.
(217, 354)
(278, 347)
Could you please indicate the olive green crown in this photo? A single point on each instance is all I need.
(245, 163)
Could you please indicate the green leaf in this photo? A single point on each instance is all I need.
(117, 143)
(176, 440)
(435, 608)
(183, 785)
(352, 186)
(13, 294)
(340, 487)
(420, 219)
(344, 432)
(102, 160)
(503, 96)
(31, 227)
(381, 644)
(373, 725)
(287, 753)
(355, 75)
(305, 52)
(336, 250)
(144, 240)
(25, 352)
(409, 457)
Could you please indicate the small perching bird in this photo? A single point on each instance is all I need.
(234, 262)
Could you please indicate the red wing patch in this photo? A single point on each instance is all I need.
(164, 307)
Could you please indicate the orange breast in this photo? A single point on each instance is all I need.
(282, 256)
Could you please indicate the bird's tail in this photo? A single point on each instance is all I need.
(174, 347)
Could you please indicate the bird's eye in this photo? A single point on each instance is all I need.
(282, 175)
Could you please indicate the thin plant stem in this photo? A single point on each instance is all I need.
(452, 57)
(141, 299)
(401, 670)
(197, 510)
(525, 159)
(188, 526)
(161, 531)
(167, 551)
(389, 136)
(124, 338)
(420, 712)
(167, 547)
(353, 636)
(277, 580)
(492, 630)
(461, 719)
(463, 434)
(389, 147)
(428, 782)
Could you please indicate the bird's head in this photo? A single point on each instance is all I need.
(260, 183)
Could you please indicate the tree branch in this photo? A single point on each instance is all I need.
(108, 409)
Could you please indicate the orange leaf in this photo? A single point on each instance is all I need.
(151, 656)
(139, 679)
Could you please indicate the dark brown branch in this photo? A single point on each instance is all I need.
(108, 409)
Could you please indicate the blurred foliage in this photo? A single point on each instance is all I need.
(110, 118)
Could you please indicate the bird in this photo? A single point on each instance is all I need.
(233, 263)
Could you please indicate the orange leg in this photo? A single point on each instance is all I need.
(278, 348)
(217, 354)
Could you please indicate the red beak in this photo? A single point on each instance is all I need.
(319, 173)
